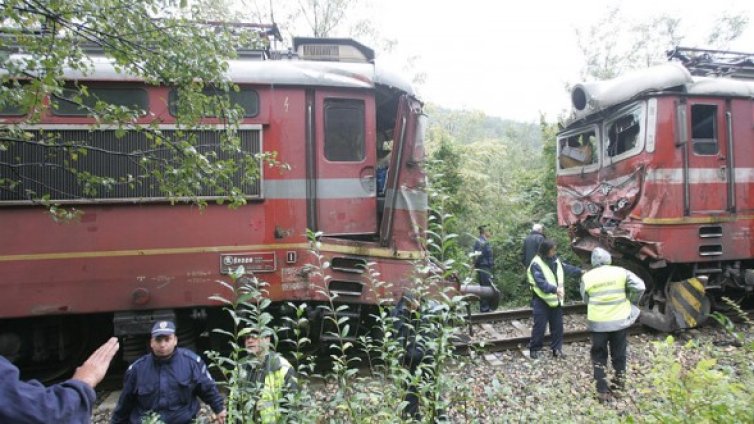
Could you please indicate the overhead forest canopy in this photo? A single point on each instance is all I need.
(156, 41)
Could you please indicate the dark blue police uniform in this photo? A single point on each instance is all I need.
(168, 387)
(31, 402)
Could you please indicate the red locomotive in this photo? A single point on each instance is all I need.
(328, 111)
(658, 166)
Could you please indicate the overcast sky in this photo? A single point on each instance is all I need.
(513, 59)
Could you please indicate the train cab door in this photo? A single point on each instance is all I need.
(709, 172)
(346, 199)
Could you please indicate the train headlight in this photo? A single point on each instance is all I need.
(577, 208)
(593, 208)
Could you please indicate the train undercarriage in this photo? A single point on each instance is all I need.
(50, 348)
(678, 295)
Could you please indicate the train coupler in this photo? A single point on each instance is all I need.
(489, 293)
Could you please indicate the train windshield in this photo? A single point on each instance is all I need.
(624, 133)
(577, 150)
(619, 136)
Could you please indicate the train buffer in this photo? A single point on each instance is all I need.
(686, 306)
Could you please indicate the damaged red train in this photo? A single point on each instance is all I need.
(329, 111)
(658, 167)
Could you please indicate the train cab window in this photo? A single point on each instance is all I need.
(12, 109)
(623, 133)
(344, 130)
(10, 100)
(73, 103)
(245, 98)
(704, 129)
(577, 150)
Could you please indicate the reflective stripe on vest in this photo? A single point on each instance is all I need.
(550, 298)
(606, 286)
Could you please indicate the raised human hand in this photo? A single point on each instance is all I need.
(93, 370)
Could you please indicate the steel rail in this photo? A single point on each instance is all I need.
(511, 343)
(521, 313)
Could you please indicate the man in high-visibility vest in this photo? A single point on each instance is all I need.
(546, 275)
(611, 294)
(273, 376)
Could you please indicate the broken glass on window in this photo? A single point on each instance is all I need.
(577, 150)
(623, 133)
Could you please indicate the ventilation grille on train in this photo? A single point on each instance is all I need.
(711, 250)
(346, 288)
(350, 265)
(711, 231)
(322, 52)
(43, 172)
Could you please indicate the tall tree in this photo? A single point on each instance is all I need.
(616, 43)
(324, 16)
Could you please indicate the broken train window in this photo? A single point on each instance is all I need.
(623, 132)
(577, 150)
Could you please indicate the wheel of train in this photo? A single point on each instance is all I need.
(653, 293)
(49, 348)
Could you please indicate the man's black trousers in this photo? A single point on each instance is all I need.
(616, 342)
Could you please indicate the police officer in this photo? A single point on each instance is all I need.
(611, 294)
(546, 274)
(68, 402)
(272, 375)
(167, 382)
(483, 264)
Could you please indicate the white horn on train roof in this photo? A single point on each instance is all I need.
(587, 98)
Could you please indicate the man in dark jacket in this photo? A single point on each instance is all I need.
(483, 264)
(531, 244)
(68, 402)
(167, 382)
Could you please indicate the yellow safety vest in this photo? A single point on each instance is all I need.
(550, 298)
(606, 287)
(273, 393)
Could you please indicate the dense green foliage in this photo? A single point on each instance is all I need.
(498, 173)
(353, 395)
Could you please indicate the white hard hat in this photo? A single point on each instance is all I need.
(537, 228)
(600, 256)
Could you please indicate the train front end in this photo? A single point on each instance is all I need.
(656, 166)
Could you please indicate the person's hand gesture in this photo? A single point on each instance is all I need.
(93, 370)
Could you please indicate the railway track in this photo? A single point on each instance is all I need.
(498, 344)
(520, 313)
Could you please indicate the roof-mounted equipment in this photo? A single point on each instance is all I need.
(714, 63)
(332, 50)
